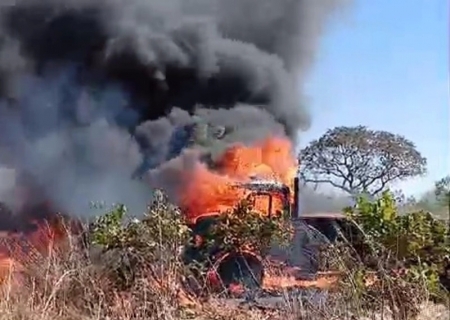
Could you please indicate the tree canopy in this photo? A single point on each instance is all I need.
(359, 160)
(442, 190)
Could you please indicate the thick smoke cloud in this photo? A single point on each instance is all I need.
(90, 90)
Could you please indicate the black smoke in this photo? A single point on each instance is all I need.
(91, 90)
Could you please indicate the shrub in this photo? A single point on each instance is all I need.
(410, 250)
(150, 245)
(245, 227)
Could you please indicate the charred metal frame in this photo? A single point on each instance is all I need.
(269, 188)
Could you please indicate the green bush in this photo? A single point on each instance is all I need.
(414, 244)
(135, 248)
(245, 227)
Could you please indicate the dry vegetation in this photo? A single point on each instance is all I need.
(132, 271)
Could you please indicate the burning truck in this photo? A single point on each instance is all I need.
(239, 269)
(242, 269)
(237, 266)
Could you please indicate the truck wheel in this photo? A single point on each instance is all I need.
(244, 271)
(306, 248)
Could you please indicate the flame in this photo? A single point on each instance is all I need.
(19, 250)
(323, 281)
(209, 191)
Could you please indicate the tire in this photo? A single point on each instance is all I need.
(305, 249)
(244, 270)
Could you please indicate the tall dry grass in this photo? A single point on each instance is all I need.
(74, 283)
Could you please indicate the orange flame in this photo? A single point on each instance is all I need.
(20, 250)
(215, 191)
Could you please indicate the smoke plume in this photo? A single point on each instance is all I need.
(94, 93)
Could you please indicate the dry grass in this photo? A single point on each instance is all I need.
(72, 284)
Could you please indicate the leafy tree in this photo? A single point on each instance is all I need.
(359, 160)
(442, 191)
(436, 200)
(403, 200)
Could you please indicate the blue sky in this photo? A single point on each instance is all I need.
(386, 66)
